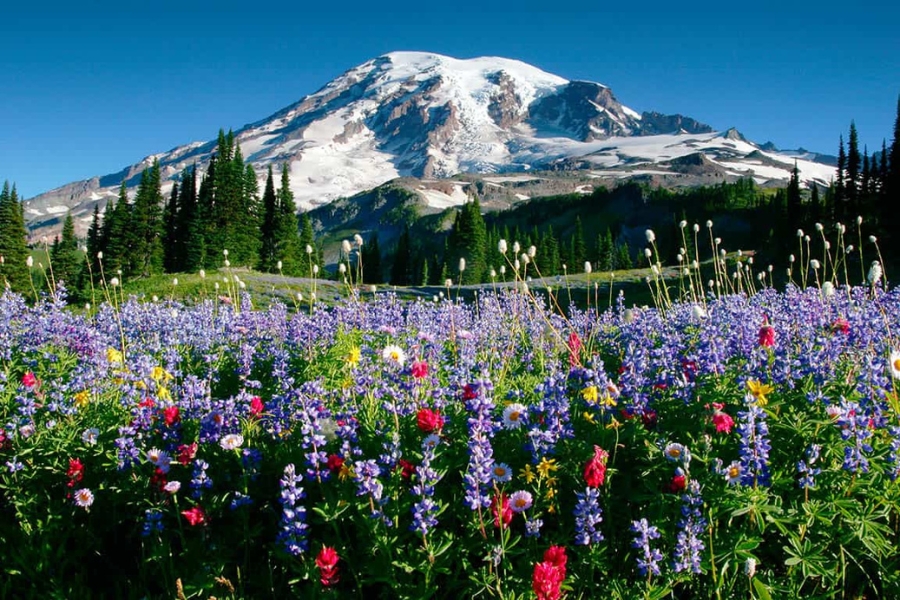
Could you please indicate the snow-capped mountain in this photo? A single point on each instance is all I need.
(413, 114)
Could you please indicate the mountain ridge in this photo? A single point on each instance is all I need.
(428, 116)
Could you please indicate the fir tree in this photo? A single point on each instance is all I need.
(401, 269)
(269, 226)
(468, 240)
(606, 258)
(853, 183)
(14, 271)
(623, 257)
(146, 251)
(371, 259)
(578, 248)
(840, 195)
(170, 232)
(794, 208)
(287, 236)
(64, 257)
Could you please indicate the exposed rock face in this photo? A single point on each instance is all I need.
(422, 115)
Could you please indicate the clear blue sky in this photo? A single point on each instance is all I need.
(90, 87)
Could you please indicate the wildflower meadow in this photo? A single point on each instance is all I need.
(737, 442)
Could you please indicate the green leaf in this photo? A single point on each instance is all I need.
(761, 590)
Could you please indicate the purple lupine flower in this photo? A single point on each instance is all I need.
(292, 528)
(425, 510)
(649, 561)
(754, 445)
(366, 474)
(533, 528)
(689, 541)
(854, 430)
(481, 454)
(200, 480)
(152, 522)
(894, 455)
(806, 469)
(588, 516)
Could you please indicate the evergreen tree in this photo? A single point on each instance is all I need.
(468, 240)
(14, 271)
(578, 249)
(854, 162)
(840, 195)
(606, 258)
(116, 224)
(245, 237)
(623, 257)
(287, 237)
(269, 227)
(401, 269)
(188, 230)
(170, 232)
(794, 208)
(371, 257)
(890, 206)
(815, 205)
(146, 227)
(64, 257)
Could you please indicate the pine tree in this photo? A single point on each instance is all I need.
(840, 194)
(287, 237)
(371, 260)
(578, 251)
(268, 227)
(854, 162)
(623, 258)
(468, 241)
(400, 270)
(116, 224)
(146, 227)
(606, 258)
(170, 232)
(14, 271)
(187, 227)
(64, 257)
(794, 208)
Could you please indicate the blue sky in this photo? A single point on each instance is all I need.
(90, 87)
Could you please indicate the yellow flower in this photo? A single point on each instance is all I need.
(546, 466)
(353, 357)
(164, 394)
(551, 492)
(607, 400)
(528, 474)
(589, 418)
(614, 424)
(82, 398)
(346, 473)
(590, 394)
(159, 374)
(113, 356)
(759, 391)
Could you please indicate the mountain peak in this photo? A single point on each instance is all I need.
(426, 115)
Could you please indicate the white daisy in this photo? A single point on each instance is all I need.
(159, 458)
(894, 363)
(84, 498)
(231, 441)
(394, 355)
(514, 416)
(501, 473)
(733, 473)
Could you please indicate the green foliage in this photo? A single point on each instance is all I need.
(14, 271)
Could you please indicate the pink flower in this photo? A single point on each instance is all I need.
(334, 463)
(429, 420)
(678, 483)
(575, 346)
(327, 561)
(171, 415)
(501, 510)
(550, 574)
(595, 468)
(722, 421)
(195, 516)
(256, 406)
(29, 380)
(766, 333)
(419, 369)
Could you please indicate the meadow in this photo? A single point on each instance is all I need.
(733, 440)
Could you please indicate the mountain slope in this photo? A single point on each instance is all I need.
(413, 114)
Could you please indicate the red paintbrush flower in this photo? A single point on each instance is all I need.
(595, 468)
(195, 516)
(429, 420)
(171, 415)
(327, 561)
(419, 369)
(501, 510)
(766, 333)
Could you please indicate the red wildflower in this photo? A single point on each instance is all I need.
(766, 333)
(195, 516)
(171, 415)
(556, 556)
(501, 510)
(256, 406)
(678, 483)
(29, 380)
(407, 468)
(327, 561)
(649, 418)
(470, 392)
(186, 453)
(722, 421)
(158, 479)
(575, 346)
(419, 369)
(75, 472)
(429, 420)
(840, 325)
(549, 574)
(689, 368)
(147, 403)
(334, 463)
(595, 468)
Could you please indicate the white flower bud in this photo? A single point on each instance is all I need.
(828, 289)
(448, 282)
(648, 253)
(587, 267)
(859, 220)
(750, 567)
(357, 239)
(309, 249)
(698, 312)
(806, 239)
(225, 252)
(202, 274)
(873, 239)
(875, 273)
(791, 258)
(651, 237)
(819, 227)
(814, 264)
(29, 262)
(114, 281)
(516, 247)
(342, 268)
(155, 298)
(524, 258)
(709, 224)
(717, 241)
(315, 269)
(532, 251)
(279, 265)
(175, 281)
(299, 296)
(501, 246)
(502, 269)
(462, 264)
(849, 248)
(493, 274)
(696, 228)
(799, 233)
(345, 246)
(100, 255)
(227, 263)
(682, 225)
